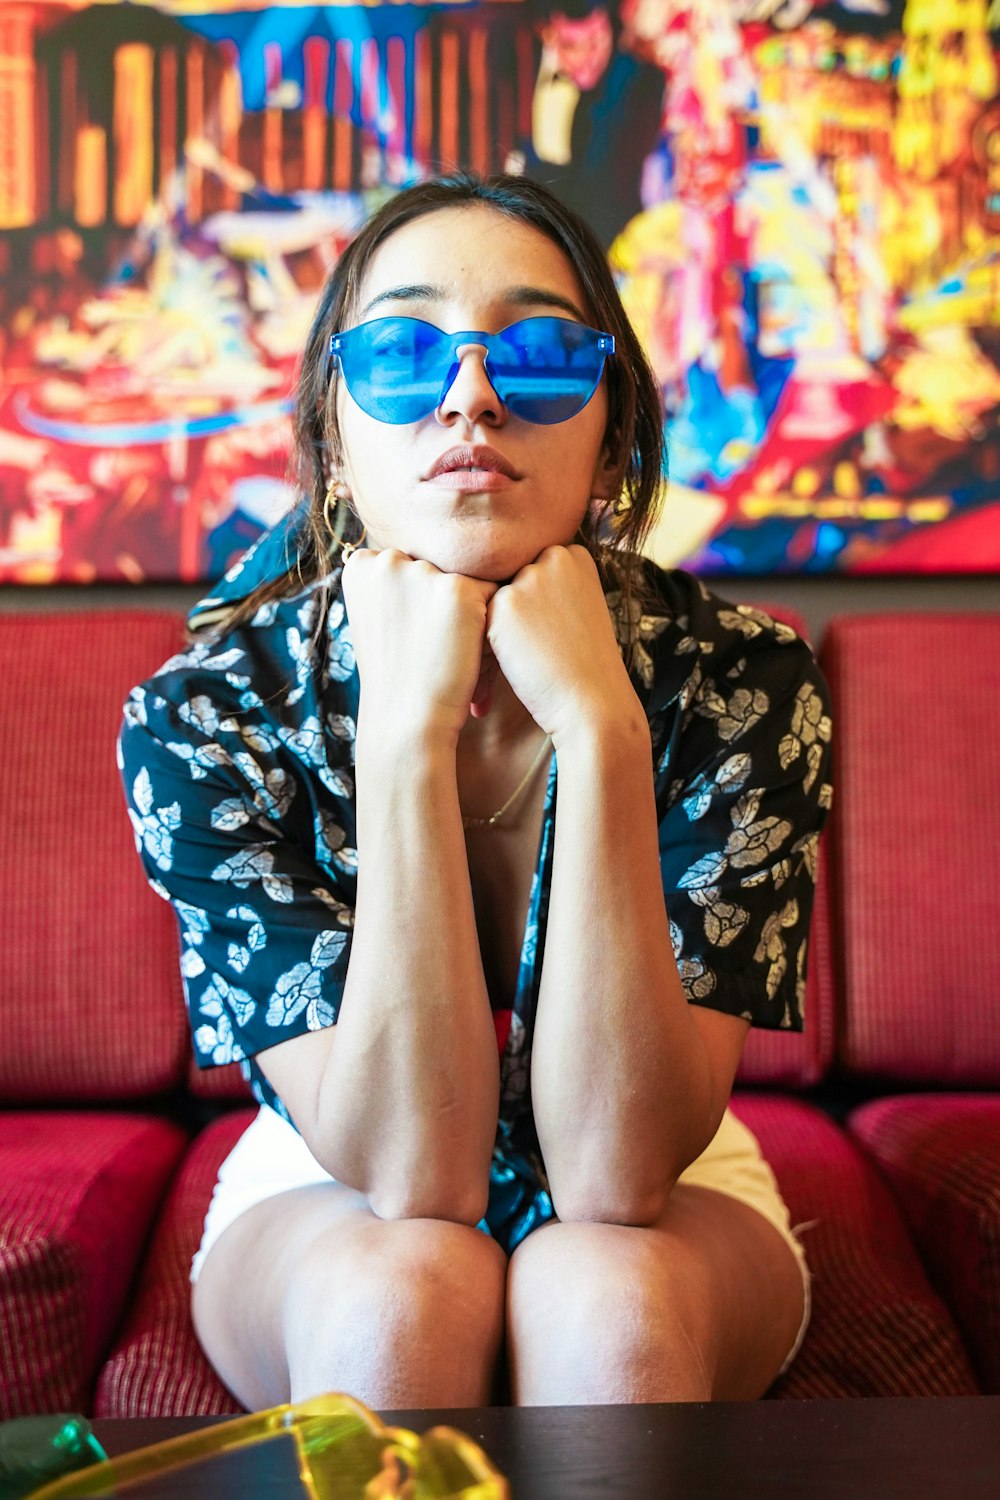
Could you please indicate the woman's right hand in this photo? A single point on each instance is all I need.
(419, 639)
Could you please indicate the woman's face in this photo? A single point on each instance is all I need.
(460, 268)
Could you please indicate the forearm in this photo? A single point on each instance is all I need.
(409, 1098)
(620, 1081)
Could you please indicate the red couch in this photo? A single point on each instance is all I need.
(882, 1121)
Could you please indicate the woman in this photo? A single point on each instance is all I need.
(348, 792)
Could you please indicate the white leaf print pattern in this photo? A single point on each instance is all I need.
(344, 914)
(340, 662)
(272, 791)
(154, 828)
(266, 613)
(217, 1042)
(135, 707)
(224, 659)
(239, 1002)
(255, 862)
(306, 742)
(772, 945)
(319, 1013)
(704, 872)
(729, 777)
(327, 948)
(724, 920)
(238, 955)
(328, 834)
(643, 628)
(734, 718)
(199, 759)
(696, 977)
(751, 841)
(752, 622)
(292, 993)
(338, 783)
(342, 727)
(259, 738)
(201, 713)
(194, 923)
(229, 815)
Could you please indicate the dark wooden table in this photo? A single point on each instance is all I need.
(767, 1450)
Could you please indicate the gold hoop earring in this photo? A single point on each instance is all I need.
(336, 490)
(349, 547)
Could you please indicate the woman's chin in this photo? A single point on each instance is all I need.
(494, 562)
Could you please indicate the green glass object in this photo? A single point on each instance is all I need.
(34, 1450)
(344, 1452)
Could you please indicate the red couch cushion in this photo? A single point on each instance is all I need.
(941, 1157)
(78, 1193)
(225, 1083)
(916, 826)
(878, 1328)
(157, 1368)
(92, 1001)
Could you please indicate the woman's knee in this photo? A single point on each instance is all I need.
(418, 1294)
(622, 1318)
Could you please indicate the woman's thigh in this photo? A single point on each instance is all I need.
(704, 1305)
(310, 1291)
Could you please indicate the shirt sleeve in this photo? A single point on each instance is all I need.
(259, 875)
(743, 792)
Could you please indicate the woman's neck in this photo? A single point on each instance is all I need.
(506, 725)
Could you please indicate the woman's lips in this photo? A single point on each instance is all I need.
(476, 481)
(472, 466)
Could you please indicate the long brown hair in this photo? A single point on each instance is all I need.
(615, 530)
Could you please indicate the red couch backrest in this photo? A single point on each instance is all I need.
(916, 844)
(90, 995)
(91, 1005)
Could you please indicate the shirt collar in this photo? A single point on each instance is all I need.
(270, 557)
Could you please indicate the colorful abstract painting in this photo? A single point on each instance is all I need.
(800, 201)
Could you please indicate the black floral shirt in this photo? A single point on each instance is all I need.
(237, 761)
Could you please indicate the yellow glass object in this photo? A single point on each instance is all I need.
(344, 1453)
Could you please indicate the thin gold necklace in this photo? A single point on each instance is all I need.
(494, 819)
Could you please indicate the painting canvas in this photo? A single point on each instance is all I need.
(800, 201)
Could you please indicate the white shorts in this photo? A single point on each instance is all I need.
(271, 1157)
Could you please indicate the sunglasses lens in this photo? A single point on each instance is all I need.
(395, 367)
(546, 369)
(543, 369)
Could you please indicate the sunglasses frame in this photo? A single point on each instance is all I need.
(604, 345)
(336, 1438)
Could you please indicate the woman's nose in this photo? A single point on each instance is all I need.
(470, 393)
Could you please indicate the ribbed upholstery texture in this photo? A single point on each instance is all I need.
(78, 1193)
(223, 1083)
(916, 824)
(941, 1157)
(157, 1368)
(878, 1328)
(90, 993)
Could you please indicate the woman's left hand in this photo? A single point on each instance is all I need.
(551, 634)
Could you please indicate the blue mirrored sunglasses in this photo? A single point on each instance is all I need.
(542, 369)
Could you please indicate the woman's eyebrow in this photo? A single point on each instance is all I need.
(515, 296)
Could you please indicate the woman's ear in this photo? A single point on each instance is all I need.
(607, 474)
